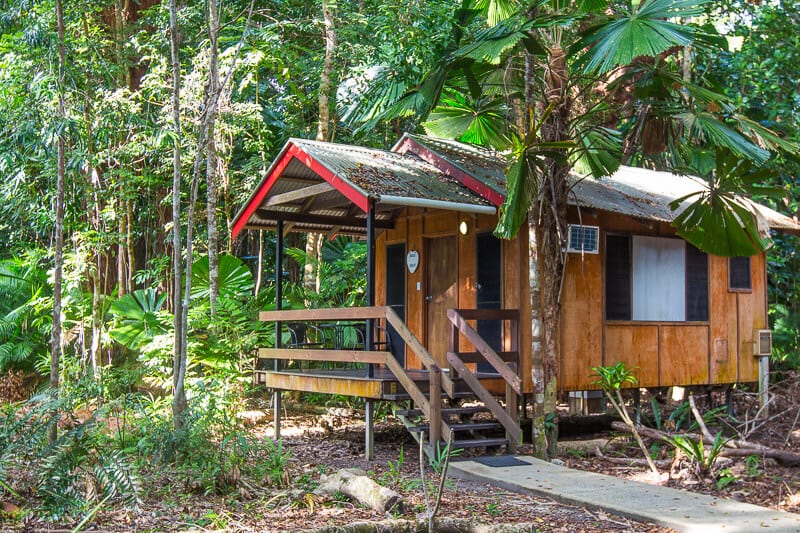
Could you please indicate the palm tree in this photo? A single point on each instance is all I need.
(578, 86)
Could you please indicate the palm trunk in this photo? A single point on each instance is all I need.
(547, 221)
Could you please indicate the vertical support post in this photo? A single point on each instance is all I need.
(763, 386)
(512, 408)
(369, 434)
(276, 394)
(453, 344)
(637, 405)
(368, 340)
(435, 398)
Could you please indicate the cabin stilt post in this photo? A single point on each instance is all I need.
(369, 434)
(763, 386)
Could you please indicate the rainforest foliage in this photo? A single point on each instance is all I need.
(713, 81)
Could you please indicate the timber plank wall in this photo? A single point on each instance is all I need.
(414, 226)
(716, 351)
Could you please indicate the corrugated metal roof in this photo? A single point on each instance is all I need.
(484, 164)
(644, 193)
(380, 172)
(376, 173)
(631, 191)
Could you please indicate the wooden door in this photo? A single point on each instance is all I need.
(442, 294)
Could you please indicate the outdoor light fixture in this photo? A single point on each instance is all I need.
(463, 228)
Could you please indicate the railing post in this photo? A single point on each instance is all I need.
(512, 408)
(453, 341)
(435, 395)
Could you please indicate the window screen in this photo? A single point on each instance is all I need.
(696, 284)
(739, 273)
(618, 277)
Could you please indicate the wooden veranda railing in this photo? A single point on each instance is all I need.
(430, 404)
(505, 363)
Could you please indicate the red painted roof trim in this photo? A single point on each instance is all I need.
(468, 180)
(295, 152)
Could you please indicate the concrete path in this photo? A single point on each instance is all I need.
(677, 509)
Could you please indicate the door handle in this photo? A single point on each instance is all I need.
(428, 298)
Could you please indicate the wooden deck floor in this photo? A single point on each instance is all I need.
(383, 385)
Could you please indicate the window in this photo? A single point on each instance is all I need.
(655, 279)
(739, 277)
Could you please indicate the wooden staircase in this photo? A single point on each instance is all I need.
(438, 420)
(428, 400)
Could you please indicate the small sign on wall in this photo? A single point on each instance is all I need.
(412, 261)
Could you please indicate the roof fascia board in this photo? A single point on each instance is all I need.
(444, 165)
(293, 151)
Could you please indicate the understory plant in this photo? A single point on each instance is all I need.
(610, 380)
(71, 475)
(701, 458)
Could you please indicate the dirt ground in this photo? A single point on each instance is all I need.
(322, 441)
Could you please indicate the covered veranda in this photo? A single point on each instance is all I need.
(347, 190)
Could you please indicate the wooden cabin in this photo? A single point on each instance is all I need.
(453, 301)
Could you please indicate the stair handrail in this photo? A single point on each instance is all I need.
(507, 416)
(459, 321)
(417, 348)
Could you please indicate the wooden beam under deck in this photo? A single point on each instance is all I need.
(325, 384)
(355, 383)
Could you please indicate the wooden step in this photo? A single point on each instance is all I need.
(477, 357)
(446, 411)
(478, 443)
(474, 426)
(401, 396)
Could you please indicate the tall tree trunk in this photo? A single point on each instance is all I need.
(179, 360)
(547, 221)
(314, 241)
(55, 334)
(211, 157)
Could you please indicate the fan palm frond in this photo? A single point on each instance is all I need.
(646, 30)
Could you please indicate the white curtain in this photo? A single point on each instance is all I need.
(659, 279)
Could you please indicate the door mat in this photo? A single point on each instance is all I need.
(500, 461)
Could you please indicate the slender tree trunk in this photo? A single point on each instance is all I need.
(314, 241)
(326, 76)
(130, 245)
(211, 158)
(93, 181)
(179, 361)
(55, 335)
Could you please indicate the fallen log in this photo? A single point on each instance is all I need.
(421, 526)
(733, 448)
(355, 484)
(630, 461)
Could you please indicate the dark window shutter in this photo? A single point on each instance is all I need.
(618, 277)
(739, 273)
(696, 284)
